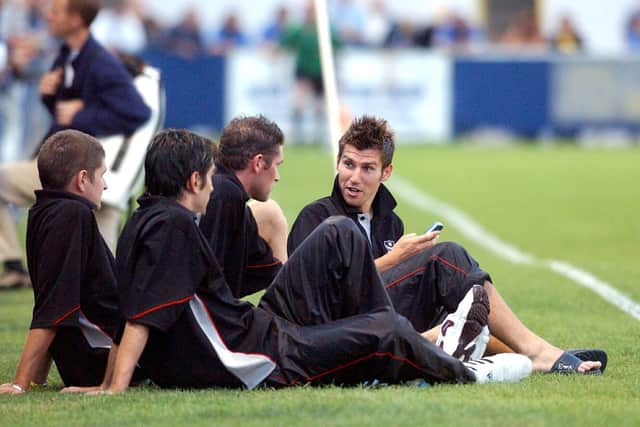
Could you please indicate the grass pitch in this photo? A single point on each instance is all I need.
(564, 203)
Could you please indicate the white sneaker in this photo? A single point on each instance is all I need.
(503, 367)
(464, 334)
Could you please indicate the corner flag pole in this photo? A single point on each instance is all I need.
(328, 76)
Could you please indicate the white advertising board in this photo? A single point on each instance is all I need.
(412, 89)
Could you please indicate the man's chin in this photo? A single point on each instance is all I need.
(353, 201)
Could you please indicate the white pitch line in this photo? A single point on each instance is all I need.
(474, 231)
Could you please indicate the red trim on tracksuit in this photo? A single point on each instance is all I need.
(406, 276)
(363, 359)
(158, 307)
(421, 269)
(73, 310)
(449, 264)
(255, 267)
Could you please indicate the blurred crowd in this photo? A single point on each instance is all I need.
(128, 27)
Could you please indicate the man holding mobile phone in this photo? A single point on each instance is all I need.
(440, 288)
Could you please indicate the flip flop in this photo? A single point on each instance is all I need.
(593, 354)
(567, 363)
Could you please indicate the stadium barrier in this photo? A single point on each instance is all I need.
(425, 95)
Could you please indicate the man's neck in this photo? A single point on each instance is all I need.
(72, 189)
(368, 209)
(244, 178)
(77, 39)
(186, 201)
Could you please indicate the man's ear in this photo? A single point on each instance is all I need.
(194, 181)
(386, 172)
(256, 162)
(79, 182)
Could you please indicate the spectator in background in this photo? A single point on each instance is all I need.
(633, 32)
(22, 119)
(348, 20)
(87, 89)
(5, 72)
(377, 24)
(153, 30)
(119, 28)
(185, 39)
(403, 34)
(228, 37)
(454, 33)
(523, 30)
(567, 40)
(302, 40)
(4, 59)
(275, 29)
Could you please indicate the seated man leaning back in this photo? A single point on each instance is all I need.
(425, 281)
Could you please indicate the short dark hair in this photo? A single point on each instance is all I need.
(370, 132)
(244, 137)
(174, 154)
(87, 9)
(64, 154)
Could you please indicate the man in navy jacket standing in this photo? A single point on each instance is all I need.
(87, 89)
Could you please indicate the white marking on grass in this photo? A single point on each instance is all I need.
(588, 280)
(474, 231)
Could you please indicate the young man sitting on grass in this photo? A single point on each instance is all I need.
(325, 318)
(440, 288)
(251, 151)
(72, 270)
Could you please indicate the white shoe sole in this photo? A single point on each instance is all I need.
(500, 368)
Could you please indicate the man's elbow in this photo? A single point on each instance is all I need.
(142, 115)
(138, 118)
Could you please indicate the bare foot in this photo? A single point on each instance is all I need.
(543, 361)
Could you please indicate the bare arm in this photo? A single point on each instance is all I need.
(132, 345)
(35, 360)
(272, 226)
(43, 372)
(406, 247)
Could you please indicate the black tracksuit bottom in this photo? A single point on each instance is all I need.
(346, 329)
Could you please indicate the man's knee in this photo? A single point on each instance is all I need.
(342, 225)
(268, 214)
(450, 248)
(272, 226)
(336, 229)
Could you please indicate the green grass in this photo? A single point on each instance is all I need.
(563, 203)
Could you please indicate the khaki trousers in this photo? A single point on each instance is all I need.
(18, 181)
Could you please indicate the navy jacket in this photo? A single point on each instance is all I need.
(112, 105)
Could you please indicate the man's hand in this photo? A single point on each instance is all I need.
(50, 81)
(87, 390)
(10, 388)
(406, 247)
(66, 110)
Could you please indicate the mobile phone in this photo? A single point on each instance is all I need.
(436, 226)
